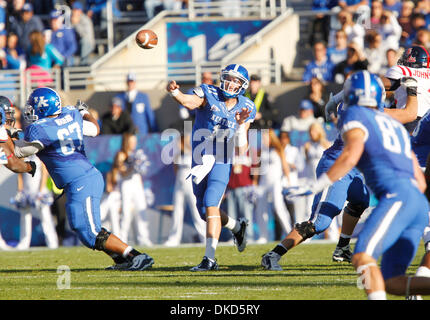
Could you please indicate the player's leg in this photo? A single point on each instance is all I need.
(209, 194)
(83, 212)
(199, 224)
(327, 205)
(393, 230)
(358, 198)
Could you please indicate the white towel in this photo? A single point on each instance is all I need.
(200, 171)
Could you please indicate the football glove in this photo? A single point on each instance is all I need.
(33, 168)
(82, 107)
(410, 84)
(330, 108)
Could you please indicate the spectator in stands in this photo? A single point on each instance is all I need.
(266, 115)
(405, 19)
(423, 38)
(15, 55)
(240, 185)
(395, 6)
(424, 8)
(14, 9)
(418, 21)
(390, 30)
(320, 25)
(355, 61)
(355, 32)
(296, 161)
(337, 53)
(377, 8)
(374, 51)
(303, 121)
(41, 57)
(41, 54)
(84, 28)
(320, 67)
(117, 120)
(26, 23)
(138, 106)
(352, 5)
(313, 151)
(318, 97)
(391, 58)
(63, 38)
(43, 7)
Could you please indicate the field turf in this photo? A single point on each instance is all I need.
(309, 274)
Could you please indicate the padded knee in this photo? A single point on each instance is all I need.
(354, 210)
(305, 229)
(101, 239)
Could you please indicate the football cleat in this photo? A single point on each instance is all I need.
(342, 254)
(138, 263)
(414, 298)
(240, 236)
(206, 265)
(270, 261)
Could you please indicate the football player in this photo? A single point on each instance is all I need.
(351, 188)
(223, 116)
(7, 157)
(380, 148)
(55, 135)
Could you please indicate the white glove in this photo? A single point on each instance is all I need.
(82, 107)
(292, 193)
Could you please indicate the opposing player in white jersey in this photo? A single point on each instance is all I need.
(414, 63)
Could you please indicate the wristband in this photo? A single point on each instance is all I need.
(84, 112)
(241, 136)
(174, 93)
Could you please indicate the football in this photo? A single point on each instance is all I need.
(146, 39)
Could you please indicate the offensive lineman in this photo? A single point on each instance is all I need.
(55, 135)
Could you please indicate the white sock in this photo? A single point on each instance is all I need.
(377, 295)
(233, 225)
(423, 272)
(211, 245)
(127, 251)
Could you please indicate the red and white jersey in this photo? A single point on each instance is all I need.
(422, 75)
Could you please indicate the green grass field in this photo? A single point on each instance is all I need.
(308, 274)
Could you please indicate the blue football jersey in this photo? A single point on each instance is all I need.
(334, 151)
(63, 152)
(214, 122)
(387, 154)
(420, 139)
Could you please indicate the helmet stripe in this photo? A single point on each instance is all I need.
(366, 85)
(427, 55)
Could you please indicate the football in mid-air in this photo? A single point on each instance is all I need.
(146, 39)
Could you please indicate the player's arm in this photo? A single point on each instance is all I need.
(13, 162)
(410, 112)
(189, 101)
(354, 146)
(90, 126)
